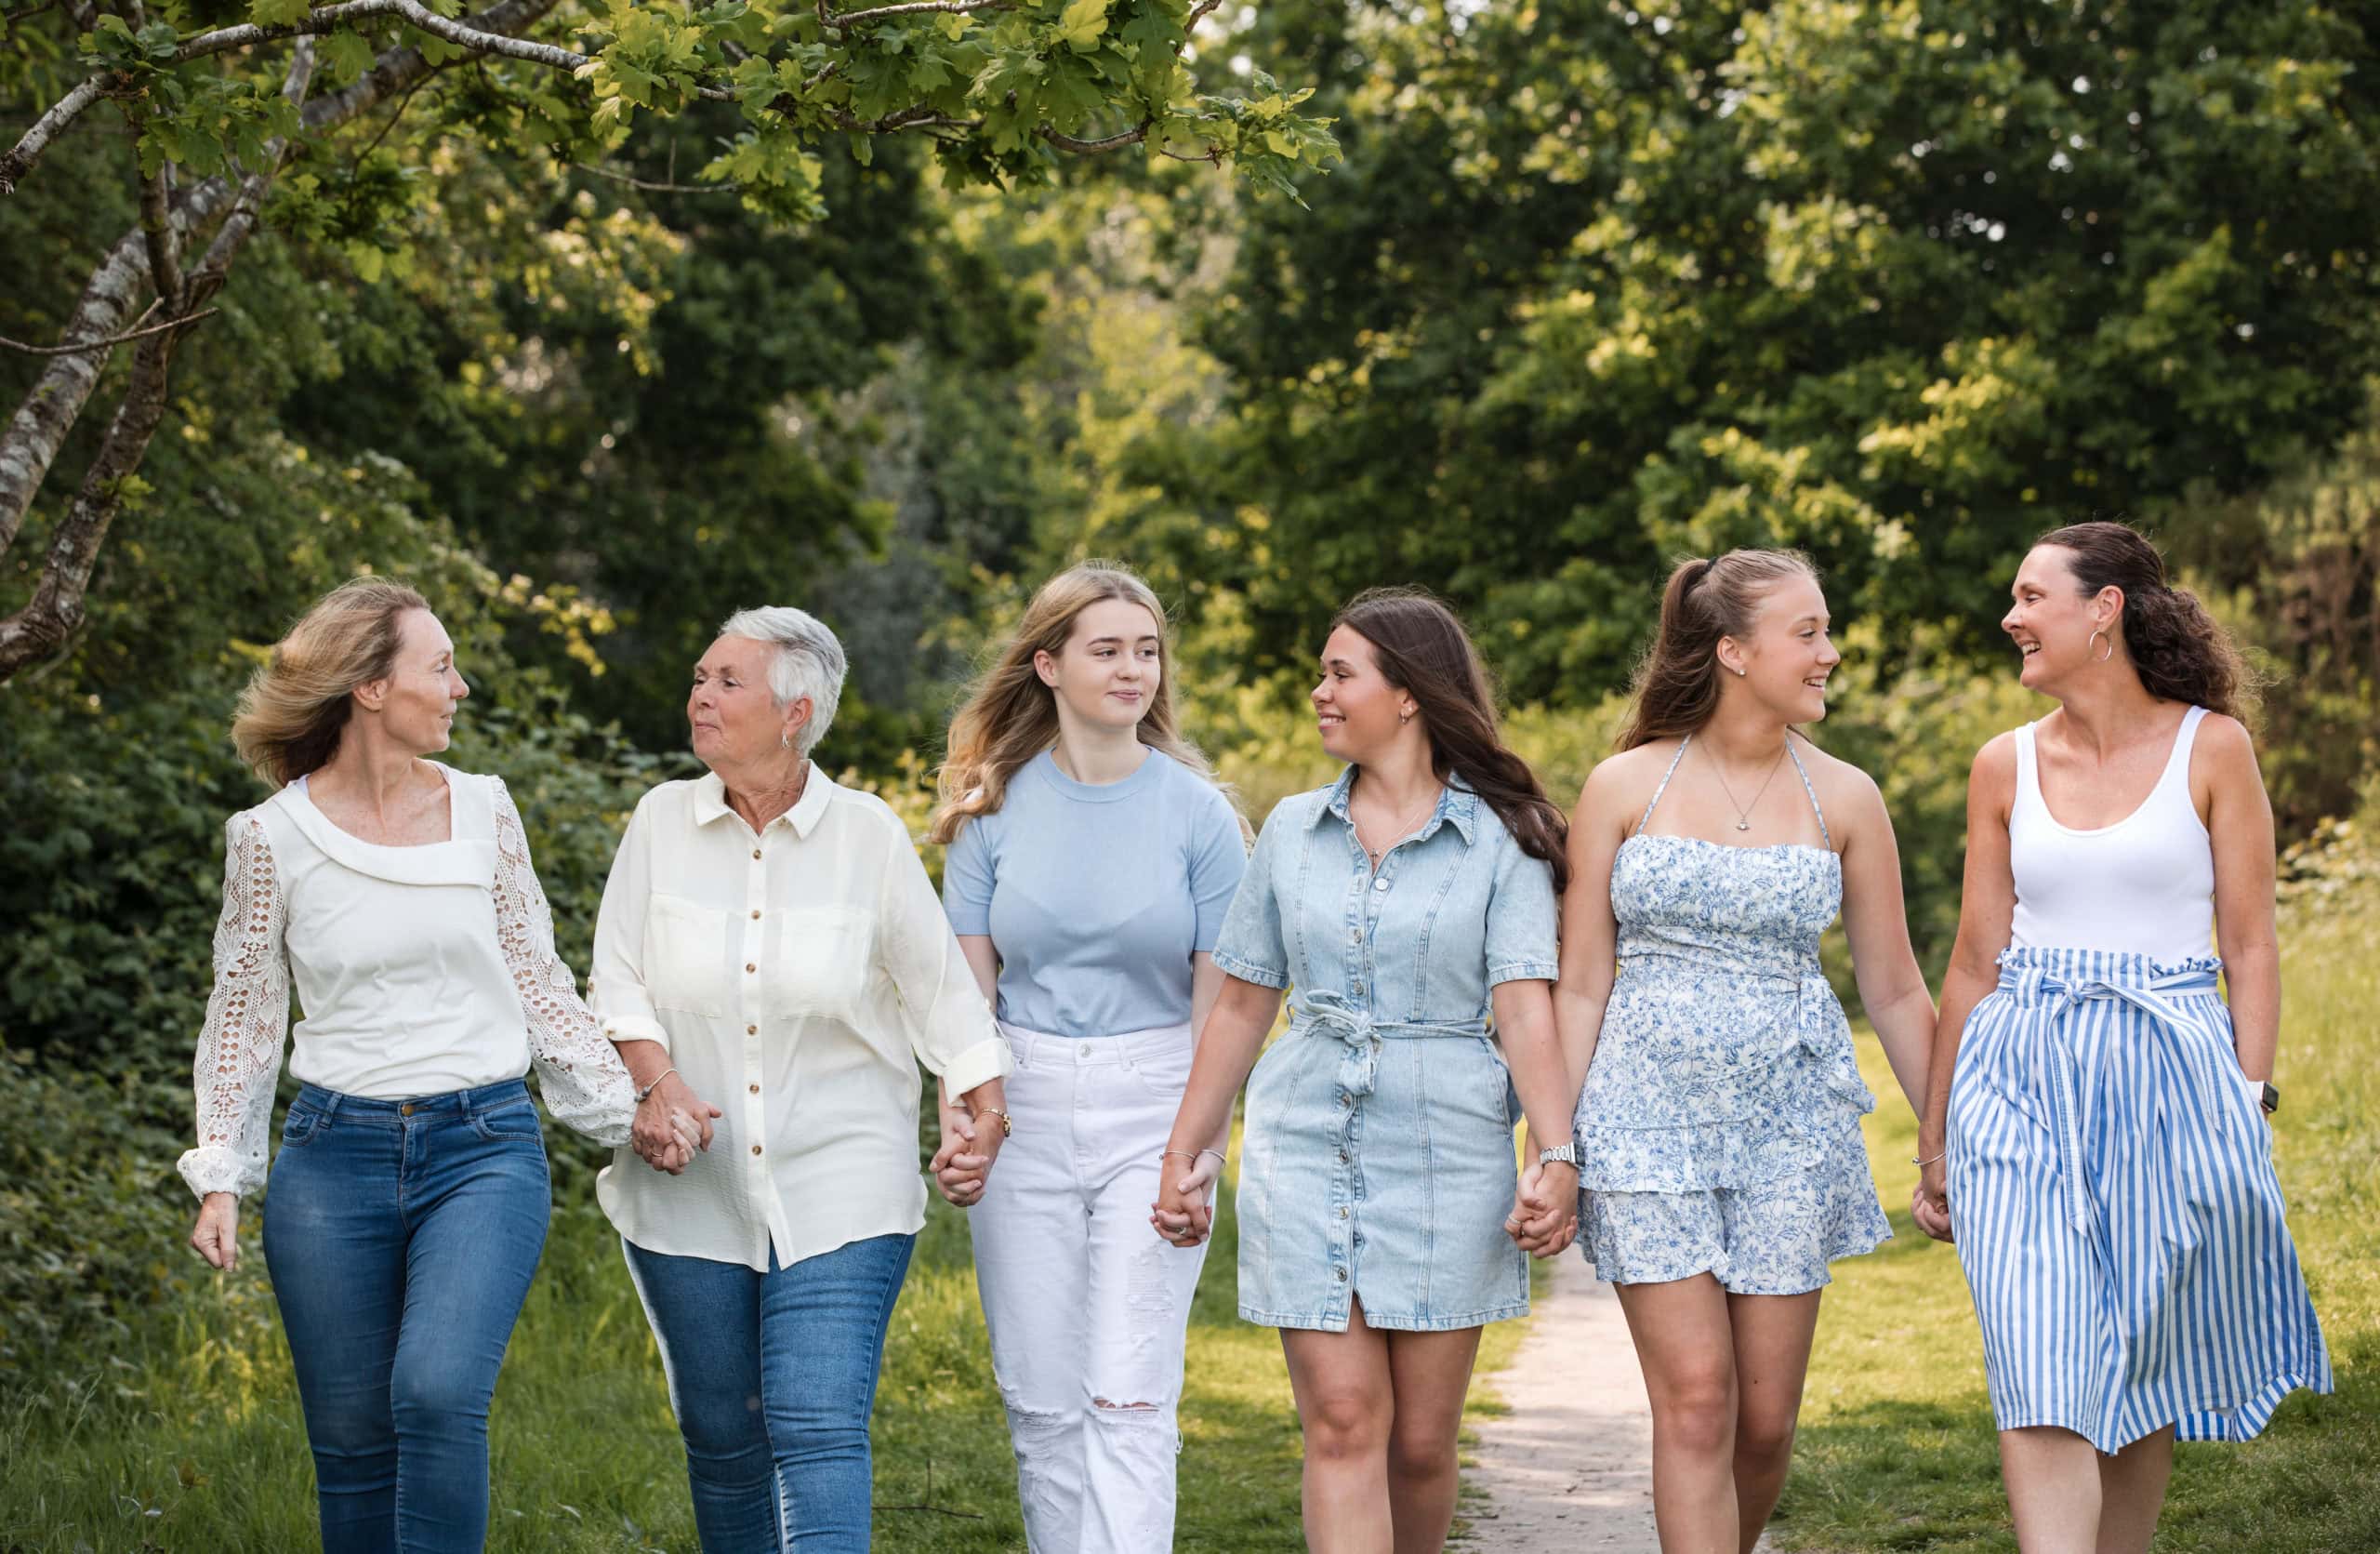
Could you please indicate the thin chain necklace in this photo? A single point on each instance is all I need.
(1404, 824)
(1743, 812)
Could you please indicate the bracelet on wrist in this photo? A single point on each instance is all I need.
(649, 1089)
(1930, 1160)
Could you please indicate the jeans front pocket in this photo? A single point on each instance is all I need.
(513, 1120)
(301, 1124)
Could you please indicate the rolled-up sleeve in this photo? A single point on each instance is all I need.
(950, 1027)
(1251, 946)
(1521, 918)
(615, 985)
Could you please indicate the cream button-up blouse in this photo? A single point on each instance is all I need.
(421, 970)
(797, 977)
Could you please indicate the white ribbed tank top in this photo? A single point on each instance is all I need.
(2144, 885)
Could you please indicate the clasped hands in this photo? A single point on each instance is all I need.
(1546, 1209)
(962, 1165)
(1184, 1213)
(1930, 1203)
(673, 1124)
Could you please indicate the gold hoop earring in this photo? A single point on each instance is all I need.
(2109, 644)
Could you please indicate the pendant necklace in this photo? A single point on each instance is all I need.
(1743, 812)
(1404, 824)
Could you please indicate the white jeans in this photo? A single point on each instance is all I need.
(1087, 1305)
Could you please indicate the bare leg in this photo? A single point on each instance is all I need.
(1429, 1374)
(1772, 1336)
(1345, 1406)
(1687, 1345)
(2132, 1491)
(2052, 1489)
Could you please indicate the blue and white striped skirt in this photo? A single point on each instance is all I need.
(2116, 1215)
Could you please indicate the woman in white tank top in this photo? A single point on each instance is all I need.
(2093, 1138)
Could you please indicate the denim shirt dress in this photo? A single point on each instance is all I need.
(1378, 1162)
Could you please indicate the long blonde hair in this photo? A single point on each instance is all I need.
(296, 706)
(1011, 716)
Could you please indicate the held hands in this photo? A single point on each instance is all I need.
(962, 1166)
(216, 1236)
(1184, 1213)
(1930, 1204)
(1546, 1209)
(672, 1125)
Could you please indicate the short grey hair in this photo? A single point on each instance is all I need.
(809, 663)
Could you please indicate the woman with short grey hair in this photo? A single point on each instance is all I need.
(772, 963)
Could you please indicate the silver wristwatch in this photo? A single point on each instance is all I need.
(1566, 1152)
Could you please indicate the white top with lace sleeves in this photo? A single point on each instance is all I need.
(579, 1072)
(239, 1047)
(420, 971)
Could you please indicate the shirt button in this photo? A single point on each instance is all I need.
(1379, 884)
(1346, 1100)
(1342, 1157)
(751, 1030)
(1342, 1211)
(755, 1089)
(756, 1149)
(756, 852)
(750, 966)
(1340, 1274)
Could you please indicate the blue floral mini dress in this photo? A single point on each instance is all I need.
(1719, 1129)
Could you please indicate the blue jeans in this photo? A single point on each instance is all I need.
(772, 1376)
(400, 1238)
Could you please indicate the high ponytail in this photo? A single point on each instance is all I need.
(2178, 650)
(1677, 682)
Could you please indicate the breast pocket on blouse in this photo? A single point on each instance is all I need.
(821, 962)
(684, 947)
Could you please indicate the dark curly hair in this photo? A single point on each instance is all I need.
(1421, 648)
(2176, 648)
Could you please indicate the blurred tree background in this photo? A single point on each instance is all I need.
(1597, 283)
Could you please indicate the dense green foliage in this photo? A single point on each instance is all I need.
(1596, 284)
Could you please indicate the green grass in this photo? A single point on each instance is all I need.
(195, 1443)
(1897, 1448)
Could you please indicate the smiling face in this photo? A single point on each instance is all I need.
(2052, 620)
(1108, 671)
(733, 718)
(1788, 655)
(417, 699)
(1356, 707)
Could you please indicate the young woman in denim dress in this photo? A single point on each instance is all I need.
(1719, 1150)
(1411, 907)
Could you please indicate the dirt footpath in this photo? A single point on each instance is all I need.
(1571, 1466)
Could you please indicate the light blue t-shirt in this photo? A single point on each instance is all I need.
(1096, 896)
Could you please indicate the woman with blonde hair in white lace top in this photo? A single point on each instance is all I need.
(410, 1196)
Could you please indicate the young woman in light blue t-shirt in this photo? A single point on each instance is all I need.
(1092, 858)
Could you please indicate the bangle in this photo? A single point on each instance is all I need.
(1166, 1154)
(1914, 1161)
(1221, 1158)
(655, 1085)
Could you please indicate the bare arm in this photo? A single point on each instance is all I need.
(1207, 981)
(2239, 821)
(1875, 918)
(1590, 934)
(1228, 1041)
(1987, 909)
